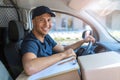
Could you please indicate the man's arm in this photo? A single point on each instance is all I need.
(74, 46)
(32, 64)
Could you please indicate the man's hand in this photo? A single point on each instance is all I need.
(69, 53)
(89, 38)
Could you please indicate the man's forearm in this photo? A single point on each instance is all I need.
(37, 64)
(75, 45)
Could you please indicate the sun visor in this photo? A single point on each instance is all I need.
(79, 4)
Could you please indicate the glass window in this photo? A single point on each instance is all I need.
(108, 13)
(113, 24)
(67, 29)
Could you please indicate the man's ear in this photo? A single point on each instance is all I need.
(33, 22)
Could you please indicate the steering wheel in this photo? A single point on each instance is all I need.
(88, 48)
(84, 50)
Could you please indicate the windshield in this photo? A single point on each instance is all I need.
(108, 13)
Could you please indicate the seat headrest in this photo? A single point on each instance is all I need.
(15, 30)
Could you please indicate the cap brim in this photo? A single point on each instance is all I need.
(52, 14)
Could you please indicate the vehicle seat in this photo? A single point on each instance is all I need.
(12, 49)
(4, 75)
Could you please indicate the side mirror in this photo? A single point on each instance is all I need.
(86, 33)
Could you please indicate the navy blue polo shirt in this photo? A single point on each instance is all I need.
(40, 49)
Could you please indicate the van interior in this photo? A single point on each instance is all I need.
(16, 23)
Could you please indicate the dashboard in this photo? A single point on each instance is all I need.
(106, 46)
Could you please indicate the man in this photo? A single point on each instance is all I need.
(38, 46)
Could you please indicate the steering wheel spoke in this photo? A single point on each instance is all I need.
(85, 50)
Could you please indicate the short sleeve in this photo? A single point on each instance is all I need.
(29, 46)
(51, 41)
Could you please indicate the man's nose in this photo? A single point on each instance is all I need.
(46, 23)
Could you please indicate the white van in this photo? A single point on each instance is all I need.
(73, 19)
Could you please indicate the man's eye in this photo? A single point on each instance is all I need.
(49, 20)
(41, 20)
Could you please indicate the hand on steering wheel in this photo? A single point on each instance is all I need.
(88, 38)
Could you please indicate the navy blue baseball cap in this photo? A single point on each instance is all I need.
(41, 10)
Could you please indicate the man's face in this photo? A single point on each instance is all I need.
(42, 24)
